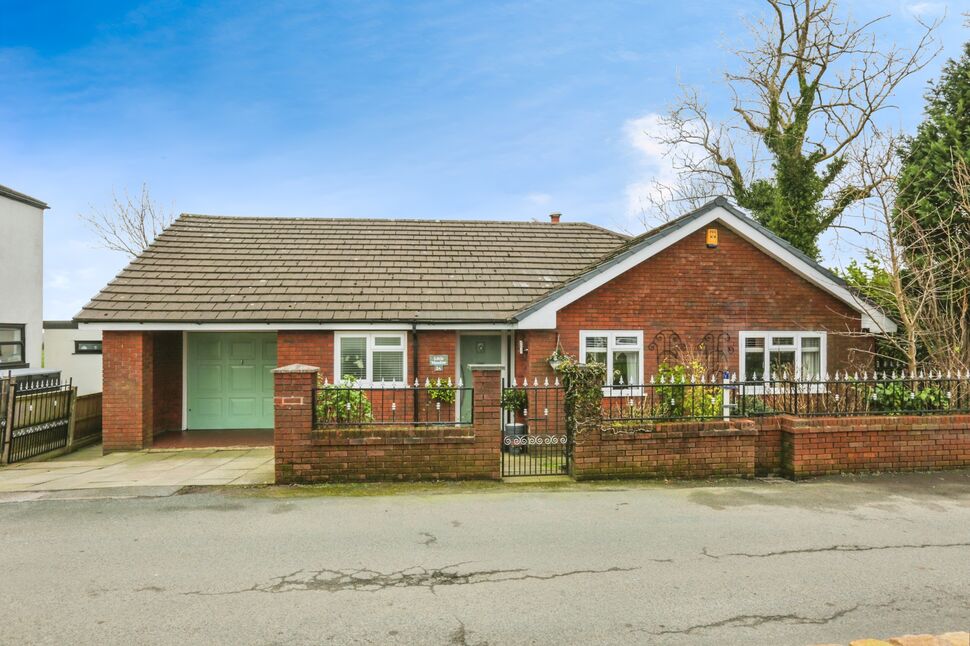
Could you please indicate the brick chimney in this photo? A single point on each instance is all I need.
(554, 217)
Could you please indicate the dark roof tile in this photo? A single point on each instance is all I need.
(213, 268)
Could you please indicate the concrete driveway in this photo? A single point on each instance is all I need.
(88, 469)
(732, 563)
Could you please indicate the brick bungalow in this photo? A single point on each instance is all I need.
(193, 326)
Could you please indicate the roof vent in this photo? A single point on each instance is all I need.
(554, 217)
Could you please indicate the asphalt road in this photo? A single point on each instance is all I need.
(733, 563)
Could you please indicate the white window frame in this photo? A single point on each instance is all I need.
(797, 335)
(610, 348)
(370, 349)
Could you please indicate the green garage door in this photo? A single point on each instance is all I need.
(230, 380)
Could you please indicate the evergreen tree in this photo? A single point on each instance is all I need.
(929, 159)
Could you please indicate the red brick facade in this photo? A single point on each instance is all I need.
(316, 348)
(696, 292)
(304, 455)
(692, 450)
(687, 289)
(142, 387)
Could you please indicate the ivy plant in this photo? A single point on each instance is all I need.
(583, 391)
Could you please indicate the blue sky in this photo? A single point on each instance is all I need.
(500, 110)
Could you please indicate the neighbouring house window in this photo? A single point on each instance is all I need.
(12, 346)
(87, 347)
(370, 358)
(620, 352)
(782, 354)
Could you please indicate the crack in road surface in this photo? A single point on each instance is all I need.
(364, 580)
(753, 621)
(834, 548)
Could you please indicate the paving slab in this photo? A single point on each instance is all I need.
(88, 469)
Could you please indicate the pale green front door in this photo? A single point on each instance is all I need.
(476, 349)
(230, 380)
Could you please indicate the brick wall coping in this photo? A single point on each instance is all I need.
(296, 367)
(670, 430)
(793, 424)
(609, 435)
(394, 435)
(320, 441)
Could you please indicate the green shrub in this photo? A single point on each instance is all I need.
(897, 397)
(514, 400)
(441, 391)
(342, 403)
(676, 397)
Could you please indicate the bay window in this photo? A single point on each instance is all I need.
(370, 358)
(799, 355)
(621, 353)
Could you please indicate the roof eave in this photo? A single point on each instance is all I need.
(17, 196)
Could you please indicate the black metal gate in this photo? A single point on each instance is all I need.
(535, 437)
(38, 414)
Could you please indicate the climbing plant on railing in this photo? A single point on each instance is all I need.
(583, 391)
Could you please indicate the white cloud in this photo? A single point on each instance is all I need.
(540, 199)
(922, 9)
(654, 166)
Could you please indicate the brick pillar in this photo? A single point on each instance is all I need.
(293, 429)
(487, 421)
(128, 407)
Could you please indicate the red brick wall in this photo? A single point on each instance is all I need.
(127, 404)
(682, 450)
(693, 291)
(768, 452)
(307, 456)
(429, 343)
(537, 346)
(827, 445)
(309, 347)
(316, 348)
(167, 381)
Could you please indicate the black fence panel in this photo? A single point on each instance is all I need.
(41, 415)
(342, 405)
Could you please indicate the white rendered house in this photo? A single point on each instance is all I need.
(21, 280)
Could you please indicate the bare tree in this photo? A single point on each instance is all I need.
(130, 224)
(929, 290)
(807, 88)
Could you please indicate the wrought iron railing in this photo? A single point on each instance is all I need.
(664, 400)
(433, 404)
(856, 395)
(845, 394)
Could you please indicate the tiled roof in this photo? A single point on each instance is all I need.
(241, 269)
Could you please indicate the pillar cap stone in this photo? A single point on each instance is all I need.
(295, 368)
